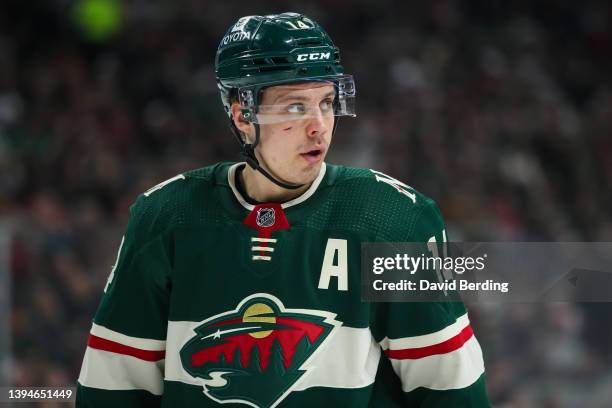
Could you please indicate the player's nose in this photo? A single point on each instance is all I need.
(317, 124)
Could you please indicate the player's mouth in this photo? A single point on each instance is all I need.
(313, 156)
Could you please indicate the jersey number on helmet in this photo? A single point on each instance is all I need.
(298, 25)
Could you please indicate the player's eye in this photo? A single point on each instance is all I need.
(327, 104)
(296, 108)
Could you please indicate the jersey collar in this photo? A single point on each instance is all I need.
(231, 177)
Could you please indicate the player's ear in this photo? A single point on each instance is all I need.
(242, 125)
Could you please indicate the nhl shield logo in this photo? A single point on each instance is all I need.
(256, 353)
(265, 217)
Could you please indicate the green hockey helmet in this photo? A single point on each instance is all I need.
(262, 51)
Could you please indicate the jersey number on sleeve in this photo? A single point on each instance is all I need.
(396, 184)
(443, 274)
(163, 184)
(112, 274)
(146, 194)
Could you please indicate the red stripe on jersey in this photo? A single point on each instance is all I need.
(447, 346)
(114, 347)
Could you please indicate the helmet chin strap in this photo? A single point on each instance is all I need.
(248, 152)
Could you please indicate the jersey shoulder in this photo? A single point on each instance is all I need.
(180, 200)
(390, 206)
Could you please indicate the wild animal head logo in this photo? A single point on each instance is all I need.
(256, 353)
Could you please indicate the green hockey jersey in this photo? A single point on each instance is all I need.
(216, 301)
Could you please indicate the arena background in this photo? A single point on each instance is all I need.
(500, 111)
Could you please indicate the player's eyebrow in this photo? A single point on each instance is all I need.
(289, 97)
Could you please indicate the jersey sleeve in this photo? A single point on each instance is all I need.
(123, 364)
(431, 346)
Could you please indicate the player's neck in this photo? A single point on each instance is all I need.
(260, 189)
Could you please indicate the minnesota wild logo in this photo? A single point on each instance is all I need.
(256, 353)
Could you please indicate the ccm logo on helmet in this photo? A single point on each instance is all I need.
(314, 56)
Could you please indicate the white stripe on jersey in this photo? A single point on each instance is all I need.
(457, 369)
(257, 239)
(260, 248)
(112, 371)
(136, 342)
(427, 339)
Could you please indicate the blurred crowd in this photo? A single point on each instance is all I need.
(500, 111)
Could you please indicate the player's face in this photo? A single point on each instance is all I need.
(296, 132)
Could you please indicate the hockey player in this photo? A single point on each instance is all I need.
(239, 283)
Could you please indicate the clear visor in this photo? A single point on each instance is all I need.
(280, 103)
